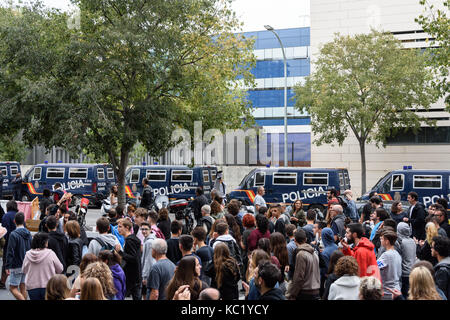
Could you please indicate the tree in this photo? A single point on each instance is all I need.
(369, 84)
(437, 24)
(132, 72)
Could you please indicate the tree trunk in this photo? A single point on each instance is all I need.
(124, 157)
(362, 149)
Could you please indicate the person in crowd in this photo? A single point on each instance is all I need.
(204, 252)
(18, 244)
(8, 223)
(275, 218)
(105, 240)
(367, 208)
(57, 241)
(306, 280)
(87, 259)
(164, 222)
(101, 271)
(91, 289)
(256, 256)
(381, 215)
(39, 265)
(161, 273)
(152, 219)
(346, 287)
(266, 279)
(332, 199)
(259, 198)
(234, 229)
(17, 187)
(441, 214)
(331, 276)
(290, 246)
(261, 231)
(234, 209)
(113, 196)
(112, 259)
(249, 223)
(131, 209)
(407, 251)
(329, 246)
(264, 244)
(222, 230)
(435, 219)
(83, 235)
(440, 250)
(370, 288)
(206, 221)
(147, 195)
(217, 210)
(416, 216)
(362, 250)
(224, 272)
(45, 202)
(57, 288)
(173, 244)
(186, 273)
(197, 204)
(390, 264)
(147, 259)
(388, 224)
(424, 246)
(132, 255)
(278, 249)
(422, 286)
(219, 186)
(351, 211)
(209, 294)
(187, 247)
(298, 214)
(140, 215)
(309, 226)
(75, 243)
(337, 224)
(397, 212)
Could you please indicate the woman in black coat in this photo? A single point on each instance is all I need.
(75, 248)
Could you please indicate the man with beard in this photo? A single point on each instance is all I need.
(362, 250)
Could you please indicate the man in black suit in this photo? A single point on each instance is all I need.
(416, 216)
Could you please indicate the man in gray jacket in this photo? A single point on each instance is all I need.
(105, 241)
(406, 247)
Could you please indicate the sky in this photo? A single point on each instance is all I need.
(279, 14)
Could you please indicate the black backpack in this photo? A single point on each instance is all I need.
(104, 245)
(342, 202)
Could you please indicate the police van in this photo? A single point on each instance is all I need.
(175, 182)
(91, 181)
(430, 185)
(9, 170)
(288, 184)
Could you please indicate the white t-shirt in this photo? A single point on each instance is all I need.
(259, 200)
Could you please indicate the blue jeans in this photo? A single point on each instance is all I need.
(37, 294)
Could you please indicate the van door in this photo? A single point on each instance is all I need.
(134, 177)
(398, 187)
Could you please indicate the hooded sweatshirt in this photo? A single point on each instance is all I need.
(442, 276)
(95, 246)
(329, 245)
(365, 256)
(58, 242)
(345, 288)
(306, 279)
(19, 243)
(39, 266)
(119, 281)
(146, 259)
(406, 248)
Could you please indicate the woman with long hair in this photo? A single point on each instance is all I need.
(225, 274)
(298, 214)
(211, 237)
(397, 214)
(261, 231)
(57, 288)
(279, 249)
(113, 260)
(331, 275)
(264, 244)
(217, 210)
(75, 242)
(186, 273)
(91, 289)
(424, 246)
(101, 271)
(256, 257)
(421, 285)
(234, 229)
(87, 259)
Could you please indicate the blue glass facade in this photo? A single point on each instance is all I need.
(295, 37)
(275, 69)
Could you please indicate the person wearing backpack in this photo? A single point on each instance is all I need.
(206, 221)
(222, 230)
(105, 241)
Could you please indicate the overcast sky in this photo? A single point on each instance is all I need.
(255, 14)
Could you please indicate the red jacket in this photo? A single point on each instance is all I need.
(255, 235)
(365, 256)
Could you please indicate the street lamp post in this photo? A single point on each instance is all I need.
(285, 94)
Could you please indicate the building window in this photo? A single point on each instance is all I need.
(425, 135)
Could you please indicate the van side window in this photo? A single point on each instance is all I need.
(100, 173)
(55, 173)
(346, 179)
(37, 173)
(14, 170)
(260, 179)
(4, 171)
(386, 186)
(135, 173)
(205, 176)
(78, 173)
(110, 173)
(341, 180)
(285, 178)
(213, 175)
(156, 175)
(182, 175)
(398, 181)
(427, 182)
(315, 179)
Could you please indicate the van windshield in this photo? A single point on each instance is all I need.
(379, 181)
(242, 184)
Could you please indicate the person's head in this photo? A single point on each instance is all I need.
(262, 223)
(102, 225)
(424, 263)
(233, 208)
(57, 288)
(396, 207)
(175, 227)
(311, 215)
(140, 215)
(110, 257)
(381, 214)
(290, 230)
(354, 231)
(431, 231)
(222, 228)
(19, 219)
(278, 247)
(390, 223)
(131, 209)
(120, 209)
(51, 210)
(199, 191)
(199, 234)
(370, 288)
(46, 193)
(264, 244)
(375, 201)
(441, 213)
(152, 217)
(440, 247)
(114, 190)
(187, 272)
(263, 210)
(300, 236)
(443, 202)
(163, 214)
(249, 221)
(101, 271)
(145, 182)
(215, 207)
(51, 223)
(261, 190)
(335, 256)
(348, 193)
(336, 210)
(186, 243)
(145, 229)
(421, 285)
(91, 289)
(332, 193)
(209, 294)
(413, 197)
(124, 227)
(373, 194)
(297, 205)
(11, 205)
(346, 265)
(73, 229)
(57, 186)
(388, 238)
(206, 210)
(257, 256)
(39, 241)
(159, 248)
(62, 210)
(267, 276)
(86, 260)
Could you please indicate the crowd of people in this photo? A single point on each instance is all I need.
(278, 252)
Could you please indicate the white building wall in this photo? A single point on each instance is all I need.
(349, 17)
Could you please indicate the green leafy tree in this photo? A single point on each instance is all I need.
(436, 22)
(366, 84)
(132, 71)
